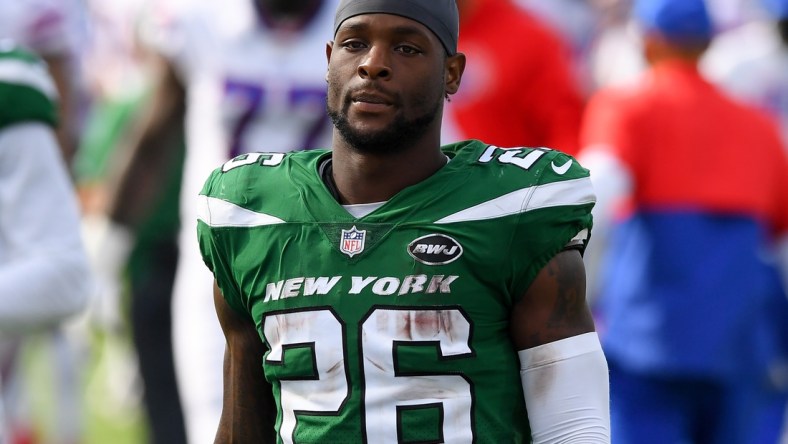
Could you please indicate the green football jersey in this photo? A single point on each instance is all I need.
(392, 327)
(27, 92)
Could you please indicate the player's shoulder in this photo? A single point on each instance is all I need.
(21, 65)
(529, 183)
(254, 180)
(27, 91)
(517, 166)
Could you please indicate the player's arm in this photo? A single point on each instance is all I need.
(248, 410)
(61, 67)
(563, 370)
(46, 277)
(138, 171)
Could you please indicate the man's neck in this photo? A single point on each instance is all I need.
(365, 178)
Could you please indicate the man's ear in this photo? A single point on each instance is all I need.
(329, 49)
(455, 66)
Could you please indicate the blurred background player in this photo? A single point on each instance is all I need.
(44, 273)
(693, 201)
(242, 75)
(55, 31)
(140, 372)
(523, 92)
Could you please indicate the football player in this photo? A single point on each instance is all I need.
(44, 274)
(393, 290)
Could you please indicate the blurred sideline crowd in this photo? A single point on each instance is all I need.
(681, 117)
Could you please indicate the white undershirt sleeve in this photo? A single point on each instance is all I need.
(566, 388)
(44, 274)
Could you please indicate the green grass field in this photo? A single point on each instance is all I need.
(110, 396)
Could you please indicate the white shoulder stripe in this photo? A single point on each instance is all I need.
(563, 193)
(220, 213)
(28, 74)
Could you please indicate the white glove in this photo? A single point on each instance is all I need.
(108, 246)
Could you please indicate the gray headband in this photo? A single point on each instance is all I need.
(439, 16)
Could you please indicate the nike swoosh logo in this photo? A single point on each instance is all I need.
(560, 170)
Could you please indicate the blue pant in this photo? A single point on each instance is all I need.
(647, 409)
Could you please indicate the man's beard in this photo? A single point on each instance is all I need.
(395, 138)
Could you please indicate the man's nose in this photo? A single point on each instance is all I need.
(375, 65)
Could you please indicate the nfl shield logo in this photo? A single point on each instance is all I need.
(352, 242)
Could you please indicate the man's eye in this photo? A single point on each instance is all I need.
(408, 49)
(353, 45)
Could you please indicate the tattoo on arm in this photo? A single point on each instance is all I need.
(554, 306)
(569, 307)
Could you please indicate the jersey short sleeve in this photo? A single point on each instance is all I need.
(229, 207)
(27, 92)
(212, 249)
(556, 212)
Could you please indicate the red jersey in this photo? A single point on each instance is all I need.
(687, 145)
